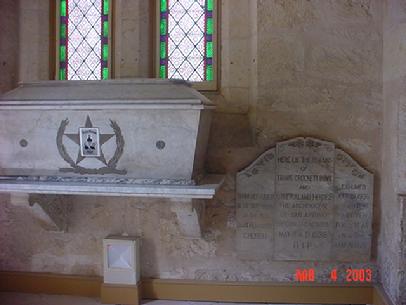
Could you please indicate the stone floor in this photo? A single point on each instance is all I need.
(7, 298)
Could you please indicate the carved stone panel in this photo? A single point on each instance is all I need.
(255, 203)
(353, 205)
(304, 183)
(304, 200)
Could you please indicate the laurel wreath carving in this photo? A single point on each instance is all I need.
(112, 163)
(61, 148)
(119, 145)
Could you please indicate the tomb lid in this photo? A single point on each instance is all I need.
(150, 93)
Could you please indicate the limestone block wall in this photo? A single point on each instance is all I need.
(393, 266)
(319, 73)
(288, 68)
(33, 54)
(8, 45)
(236, 50)
(132, 39)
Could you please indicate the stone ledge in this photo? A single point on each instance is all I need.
(205, 190)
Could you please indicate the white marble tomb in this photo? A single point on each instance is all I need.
(118, 137)
(144, 137)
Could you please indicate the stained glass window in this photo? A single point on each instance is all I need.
(83, 39)
(186, 32)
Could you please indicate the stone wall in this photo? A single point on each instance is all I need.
(8, 44)
(33, 54)
(288, 68)
(132, 41)
(394, 144)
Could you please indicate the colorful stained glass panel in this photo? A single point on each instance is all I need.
(186, 46)
(83, 39)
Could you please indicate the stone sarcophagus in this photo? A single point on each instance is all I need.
(117, 137)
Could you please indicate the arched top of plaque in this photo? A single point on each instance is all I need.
(304, 145)
(304, 200)
(260, 164)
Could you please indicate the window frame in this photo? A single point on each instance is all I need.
(202, 85)
(55, 26)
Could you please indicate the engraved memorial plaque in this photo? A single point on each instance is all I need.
(255, 203)
(309, 202)
(353, 206)
(304, 183)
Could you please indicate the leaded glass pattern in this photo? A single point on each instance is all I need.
(83, 49)
(186, 40)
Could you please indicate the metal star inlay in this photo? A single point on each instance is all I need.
(75, 137)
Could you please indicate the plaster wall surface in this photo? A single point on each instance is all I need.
(288, 68)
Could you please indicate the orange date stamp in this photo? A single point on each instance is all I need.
(362, 275)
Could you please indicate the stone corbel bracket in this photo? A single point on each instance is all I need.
(51, 211)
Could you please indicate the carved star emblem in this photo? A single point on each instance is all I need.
(75, 137)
